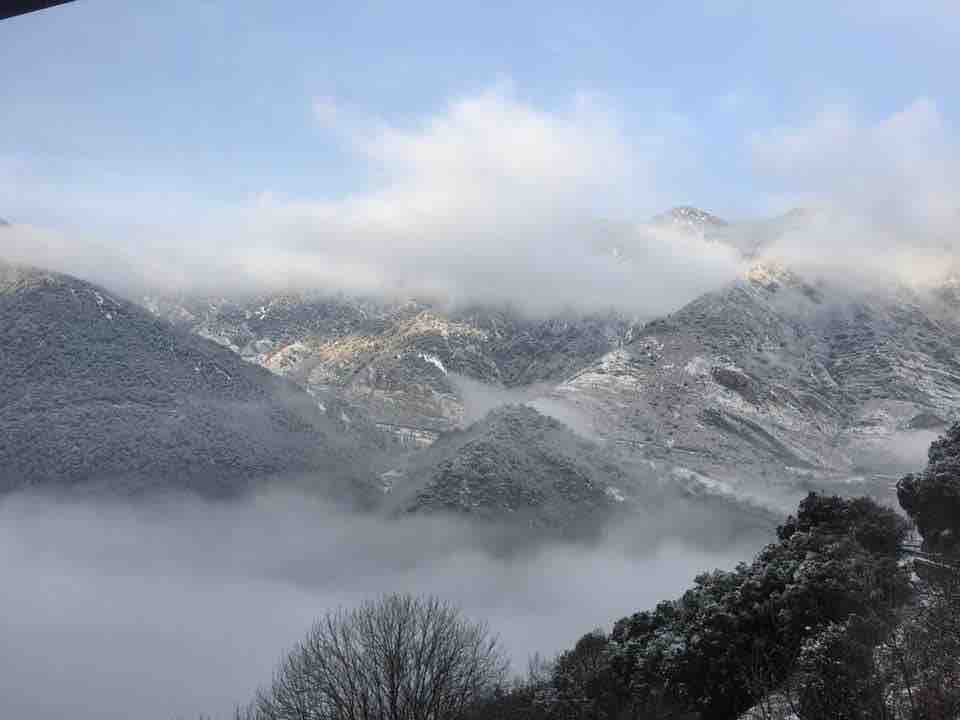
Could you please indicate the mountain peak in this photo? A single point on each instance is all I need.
(687, 217)
(518, 463)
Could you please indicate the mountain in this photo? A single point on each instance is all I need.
(749, 238)
(526, 472)
(398, 363)
(687, 218)
(759, 391)
(776, 381)
(519, 462)
(96, 392)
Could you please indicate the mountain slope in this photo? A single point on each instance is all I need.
(517, 462)
(769, 387)
(519, 469)
(96, 391)
(397, 361)
(777, 380)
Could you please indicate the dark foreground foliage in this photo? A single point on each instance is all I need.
(832, 580)
(932, 498)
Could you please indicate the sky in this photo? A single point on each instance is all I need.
(287, 135)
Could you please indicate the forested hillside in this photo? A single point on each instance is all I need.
(96, 392)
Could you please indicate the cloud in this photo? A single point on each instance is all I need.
(900, 170)
(327, 111)
(490, 198)
(172, 610)
(885, 190)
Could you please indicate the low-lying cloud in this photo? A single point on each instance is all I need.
(177, 609)
(884, 189)
(491, 199)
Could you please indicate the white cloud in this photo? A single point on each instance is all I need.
(900, 170)
(489, 199)
(886, 188)
(494, 199)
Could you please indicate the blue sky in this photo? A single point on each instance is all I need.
(214, 98)
(122, 114)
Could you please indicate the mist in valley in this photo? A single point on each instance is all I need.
(178, 607)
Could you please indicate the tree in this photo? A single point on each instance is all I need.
(397, 658)
(795, 631)
(837, 674)
(581, 679)
(922, 657)
(932, 498)
(527, 698)
(735, 635)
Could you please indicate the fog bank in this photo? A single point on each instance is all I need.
(170, 610)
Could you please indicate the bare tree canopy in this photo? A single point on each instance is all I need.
(396, 658)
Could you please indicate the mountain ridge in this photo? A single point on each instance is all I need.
(772, 385)
(97, 391)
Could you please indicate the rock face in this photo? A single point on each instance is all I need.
(94, 391)
(398, 363)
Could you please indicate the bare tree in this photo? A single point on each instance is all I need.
(396, 658)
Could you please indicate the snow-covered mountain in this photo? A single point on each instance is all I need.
(749, 395)
(521, 468)
(779, 383)
(399, 363)
(97, 393)
(690, 219)
(765, 388)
